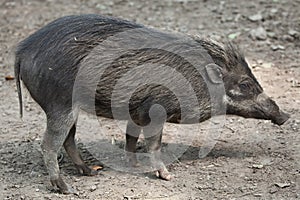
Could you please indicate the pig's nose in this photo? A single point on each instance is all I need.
(281, 118)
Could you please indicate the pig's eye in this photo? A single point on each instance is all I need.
(244, 86)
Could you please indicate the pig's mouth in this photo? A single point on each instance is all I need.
(281, 118)
(276, 116)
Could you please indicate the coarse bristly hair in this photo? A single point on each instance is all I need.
(227, 55)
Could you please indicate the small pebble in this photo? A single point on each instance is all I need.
(274, 10)
(257, 166)
(277, 47)
(273, 190)
(258, 34)
(293, 33)
(255, 18)
(101, 7)
(267, 65)
(76, 179)
(93, 188)
(272, 35)
(288, 38)
(282, 185)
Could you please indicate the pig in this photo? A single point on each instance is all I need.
(50, 61)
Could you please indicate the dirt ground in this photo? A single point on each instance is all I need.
(252, 159)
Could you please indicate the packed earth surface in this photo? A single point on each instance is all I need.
(249, 158)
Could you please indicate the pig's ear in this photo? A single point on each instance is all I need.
(214, 73)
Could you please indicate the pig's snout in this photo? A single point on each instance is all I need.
(271, 110)
(281, 118)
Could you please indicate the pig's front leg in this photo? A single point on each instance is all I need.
(154, 149)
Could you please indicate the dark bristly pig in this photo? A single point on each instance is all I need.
(50, 61)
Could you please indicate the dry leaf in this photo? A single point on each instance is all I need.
(9, 78)
(97, 167)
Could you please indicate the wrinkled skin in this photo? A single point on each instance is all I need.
(48, 62)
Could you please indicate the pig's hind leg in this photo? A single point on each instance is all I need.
(71, 149)
(58, 127)
(132, 134)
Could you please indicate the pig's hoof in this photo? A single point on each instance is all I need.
(164, 174)
(132, 163)
(87, 171)
(63, 187)
(131, 160)
(70, 190)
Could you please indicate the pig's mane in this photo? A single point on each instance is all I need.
(226, 55)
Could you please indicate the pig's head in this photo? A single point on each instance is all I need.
(244, 95)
